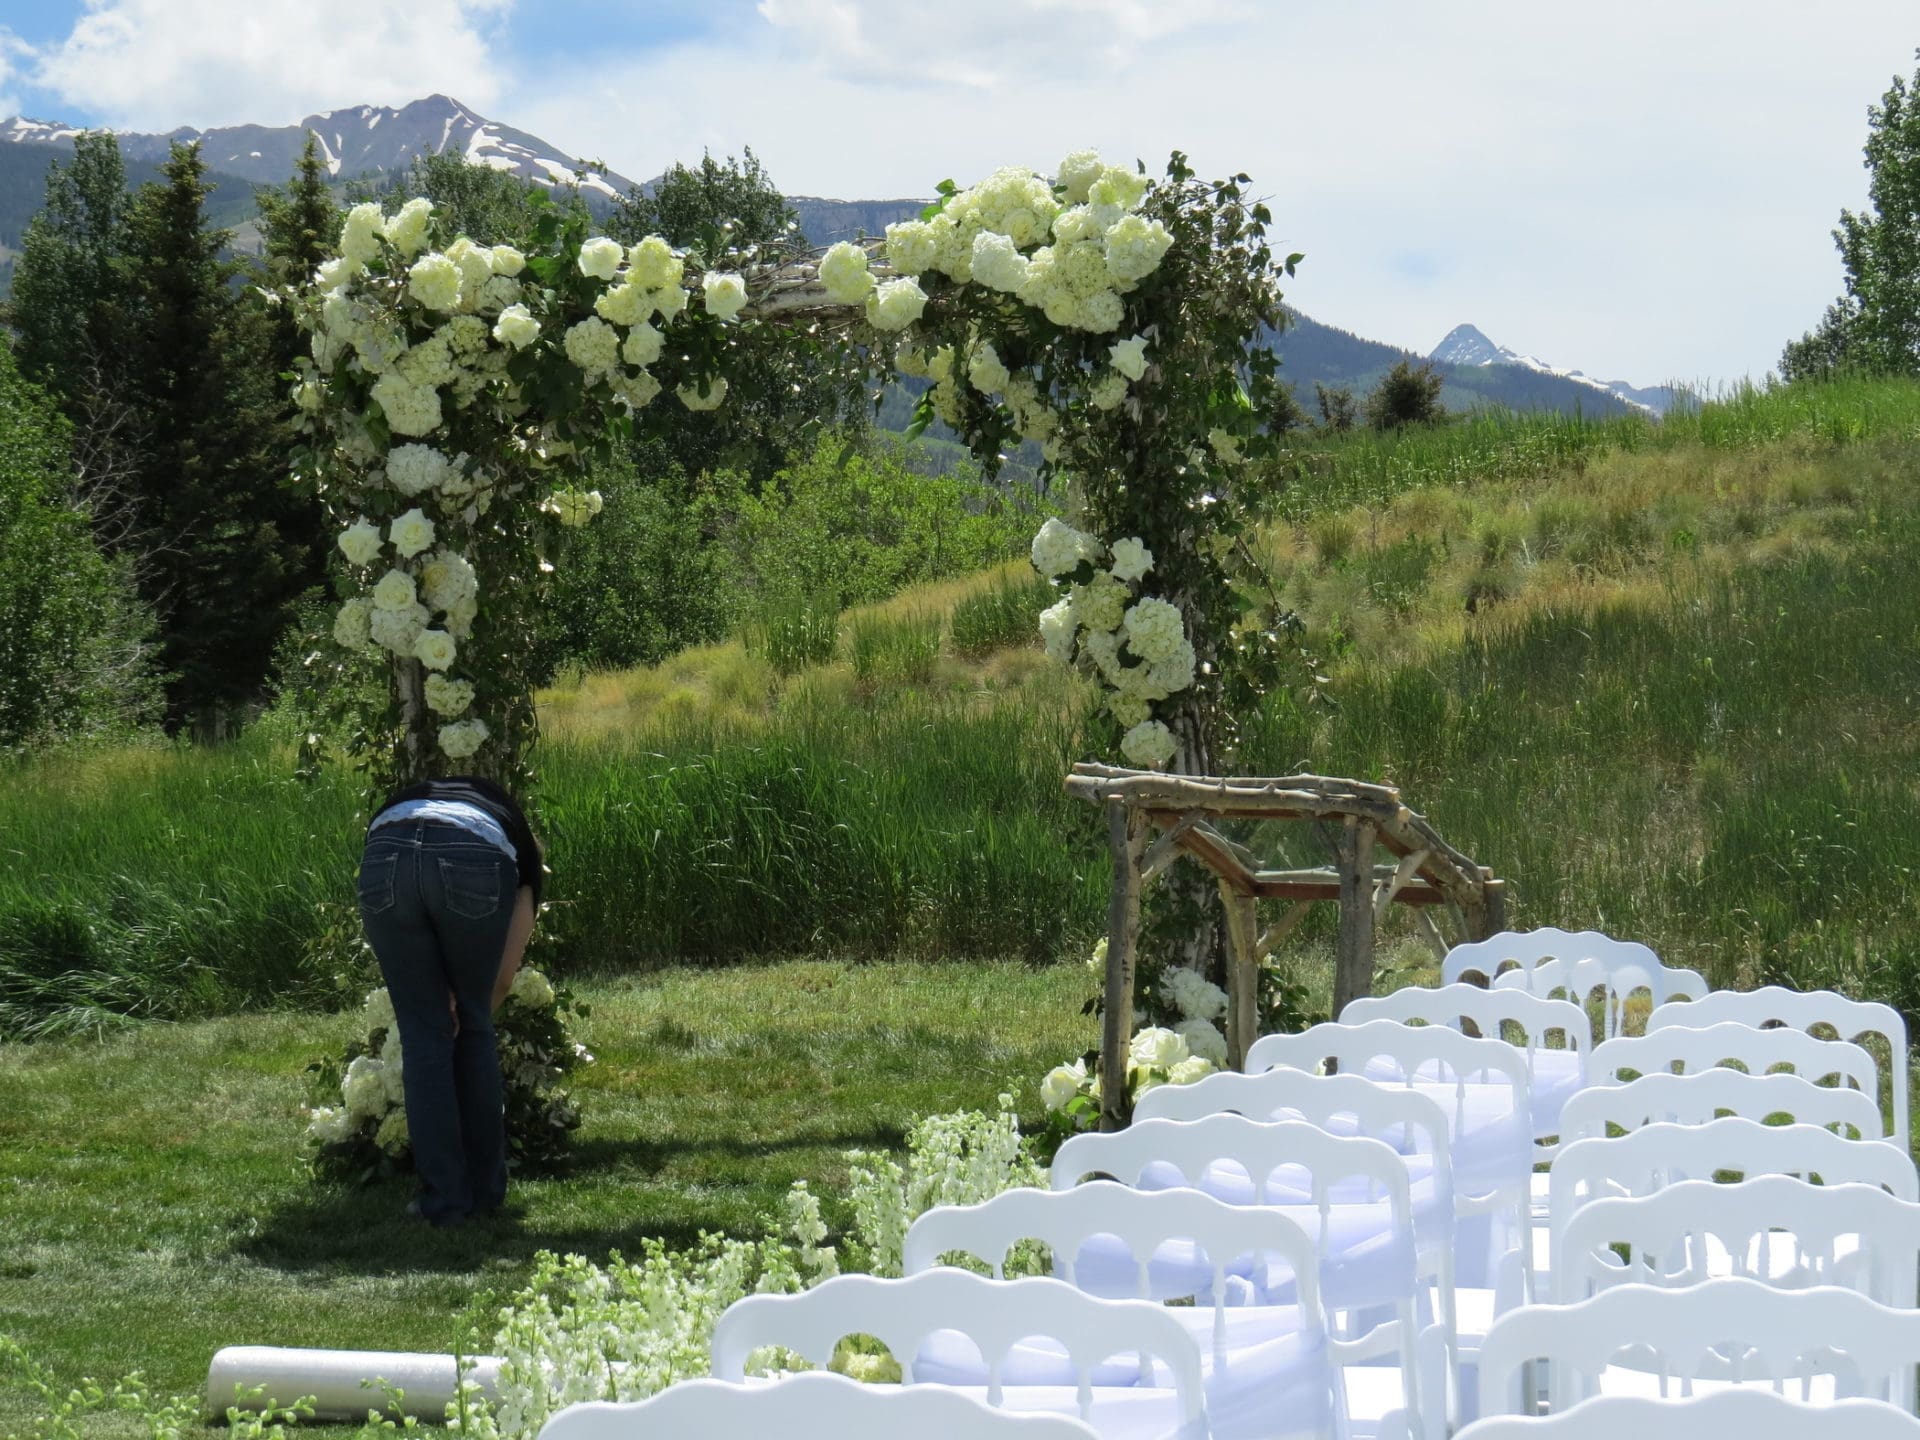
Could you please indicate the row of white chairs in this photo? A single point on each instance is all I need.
(1314, 1227)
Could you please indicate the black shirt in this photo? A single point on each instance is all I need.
(492, 799)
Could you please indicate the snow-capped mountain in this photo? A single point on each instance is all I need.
(359, 141)
(1466, 345)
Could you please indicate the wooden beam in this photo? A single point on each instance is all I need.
(1417, 892)
(1281, 928)
(1166, 849)
(1126, 840)
(1243, 975)
(1353, 947)
(1403, 872)
(1431, 928)
(1222, 863)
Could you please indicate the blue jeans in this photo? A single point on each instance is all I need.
(435, 902)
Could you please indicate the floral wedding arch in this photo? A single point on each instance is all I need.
(457, 394)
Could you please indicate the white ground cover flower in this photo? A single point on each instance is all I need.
(896, 304)
(516, 327)
(600, 258)
(360, 542)
(1132, 560)
(1193, 995)
(725, 293)
(843, 270)
(411, 533)
(461, 738)
(1148, 746)
(653, 264)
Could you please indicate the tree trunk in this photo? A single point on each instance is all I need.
(415, 742)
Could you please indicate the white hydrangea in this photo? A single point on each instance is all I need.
(360, 234)
(447, 696)
(1148, 746)
(1062, 1083)
(461, 738)
(896, 304)
(1117, 189)
(446, 579)
(1100, 604)
(516, 327)
(1196, 1067)
(363, 1089)
(600, 258)
(1193, 995)
(670, 301)
(434, 280)
(1077, 174)
(1156, 1048)
(476, 268)
(985, 372)
(360, 542)
(1108, 391)
(1057, 626)
(1128, 709)
(329, 1125)
(410, 409)
(653, 264)
(508, 261)
(460, 618)
(396, 630)
(643, 346)
(434, 649)
(392, 1135)
(912, 246)
(725, 293)
(428, 364)
(1131, 559)
(1130, 356)
(625, 304)
(691, 397)
(532, 989)
(636, 391)
(1134, 248)
(350, 624)
(407, 230)
(1101, 312)
(336, 274)
(997, 263)
(1154, 630)
(593, 345)
(415, 469)
(1175, 672)
(843, 270)
(378, 1010)
(411, 533)
(394, 591)
(1104, 651)
(1059, 548)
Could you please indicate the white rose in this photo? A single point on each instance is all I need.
(691, 397)
(725, 293)
(654, 265)
(508, 261)
(1062, 1084)
(843, 270)
(434, 281)
(600, 258)
(462, 738)
(434, 649)
(516, 327)
(896, 304)
(350, 624)
(360, 542)
(1131, 559)
(1147, 746)
(1156, 1048)
(394, 591)
(407, 230)
(1057, 626)
(448, 697)
(643, 346)
(411, 533)
(1196, 1067)
(1130, 356)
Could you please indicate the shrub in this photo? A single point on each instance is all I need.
(1406, 395)
(1004, 615)
(894, 649)
(792, 634)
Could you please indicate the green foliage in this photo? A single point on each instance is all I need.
(1408, 395)
(492, 207)
(299, 222)
(1286, 413)
(1003, 615)
(1338, 409)
(791, 632)
(893, 649)
(687, 205)
(73, 652)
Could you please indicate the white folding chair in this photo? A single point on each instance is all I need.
(1804, 1010)
(1759, 1051)
(1651, 1157)
(1578, 962)
(1749, 1413)
(812, 1406)
(1271, 1369)
(1633, 1338)
(1777, 1229)
(1553, 1073)
(1702, 1096)
(1134, 1367)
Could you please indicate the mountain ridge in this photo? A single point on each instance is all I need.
(1468, 346)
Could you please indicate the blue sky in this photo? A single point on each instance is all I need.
(1644, 190)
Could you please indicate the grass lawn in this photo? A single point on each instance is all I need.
(153, 1204)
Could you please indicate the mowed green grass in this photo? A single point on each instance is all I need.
(154, 1207)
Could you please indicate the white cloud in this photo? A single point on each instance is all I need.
(158, 64)
(1645, 193)
(14, 52)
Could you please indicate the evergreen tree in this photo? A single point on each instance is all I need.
(1337, 408)
(1406, 395)
(1287, 413)
(299, 222)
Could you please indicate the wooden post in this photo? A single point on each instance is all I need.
(1353, 949)
(1126, 843)
(1243, 974)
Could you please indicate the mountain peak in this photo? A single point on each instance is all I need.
(1469, 345)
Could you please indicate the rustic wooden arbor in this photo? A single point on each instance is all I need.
(1350, 817)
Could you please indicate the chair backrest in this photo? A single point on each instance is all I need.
(993, 1314)
(1630, 969)
(1422, 1052)
(1758, 1050)
(1313, 1161)
(1857, 1236)
(1490, 1011)
(1522, 948)
(1697, 1098)
(1748, 1412)
(812, 1406)
(1733, 1329)
(1652, 1156)
(1804, 1009)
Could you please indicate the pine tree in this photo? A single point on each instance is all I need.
(1406, 395)
(299, 221)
